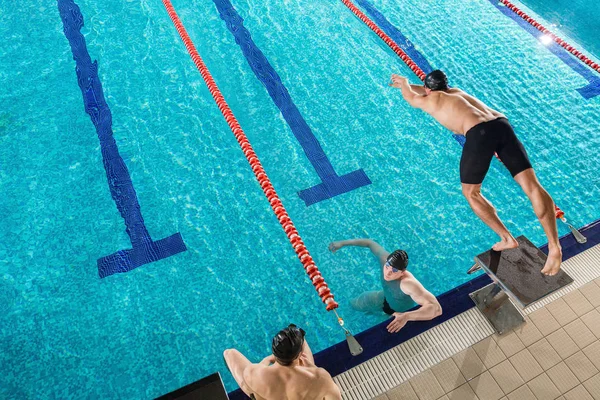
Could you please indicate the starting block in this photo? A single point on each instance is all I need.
(516, 276)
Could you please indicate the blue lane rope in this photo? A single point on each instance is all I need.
(331, 183)
(144, 250)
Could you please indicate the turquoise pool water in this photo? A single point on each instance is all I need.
(65, 333)
(577, 18)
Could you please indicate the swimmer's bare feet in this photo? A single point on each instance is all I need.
(335, 246)
(553, 262)
(506, 243)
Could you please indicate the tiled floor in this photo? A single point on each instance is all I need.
(554, 355)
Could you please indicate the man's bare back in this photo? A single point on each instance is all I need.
(293, 377)
(458, 111)
(301, 382)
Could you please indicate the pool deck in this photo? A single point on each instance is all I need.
(554, 355)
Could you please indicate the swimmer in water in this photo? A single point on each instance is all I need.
(487, 132)
(401, 290)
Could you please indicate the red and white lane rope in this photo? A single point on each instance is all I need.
(419, 72)
(388, 40)
(276, 204)
(586, 60)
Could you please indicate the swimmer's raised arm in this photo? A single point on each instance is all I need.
(375, 247)
(371, 244)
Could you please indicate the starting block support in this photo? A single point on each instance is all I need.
(517, 280)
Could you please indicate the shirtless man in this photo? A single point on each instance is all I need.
(289, 373)
(487, 132)
(400, 288)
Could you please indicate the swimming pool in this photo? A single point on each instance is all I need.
(66, 333)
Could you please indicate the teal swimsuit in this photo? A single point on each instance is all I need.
(395, 300)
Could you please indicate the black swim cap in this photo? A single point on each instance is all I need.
(398, 259)
(287, 344)
(436, 80)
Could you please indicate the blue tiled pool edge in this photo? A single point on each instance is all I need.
(376, 340)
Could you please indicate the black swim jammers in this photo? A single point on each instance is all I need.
(386, 307)
(485, 139)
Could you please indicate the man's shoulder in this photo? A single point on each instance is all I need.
(326, 381)
(323, 373)
(410, 281)
(410, 277)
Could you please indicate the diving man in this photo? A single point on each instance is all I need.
(487, 132)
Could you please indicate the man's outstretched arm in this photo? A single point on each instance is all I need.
(408, 93)
(420, 90)
(371, 244)
(375, 247)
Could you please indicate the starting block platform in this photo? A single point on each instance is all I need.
(208, 388)
(516, 276)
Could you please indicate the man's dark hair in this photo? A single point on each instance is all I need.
(398, 259)
(287, 344)
(436, 80)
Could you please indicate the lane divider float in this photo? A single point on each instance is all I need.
(578, 54)
(284, 219)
